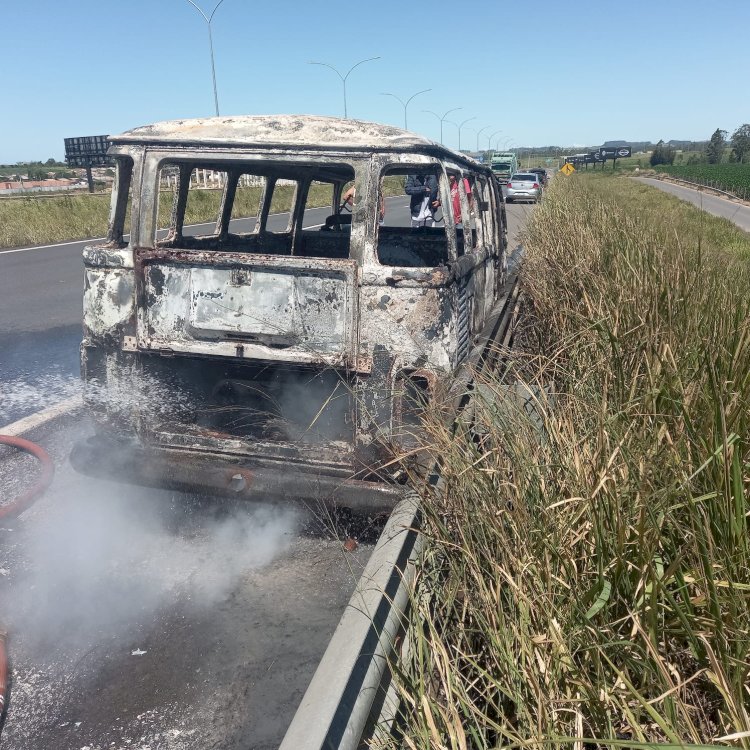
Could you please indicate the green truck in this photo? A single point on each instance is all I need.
(503, 165)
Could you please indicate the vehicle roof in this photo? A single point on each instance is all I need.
(274, 131)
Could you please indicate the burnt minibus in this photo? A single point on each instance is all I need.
(253, 326)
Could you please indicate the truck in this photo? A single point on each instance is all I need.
(503, 165)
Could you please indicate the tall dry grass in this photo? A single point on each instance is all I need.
(587, 575)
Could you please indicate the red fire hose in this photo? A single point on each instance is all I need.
(17, 506)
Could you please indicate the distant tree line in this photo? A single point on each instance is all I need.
(35, 170)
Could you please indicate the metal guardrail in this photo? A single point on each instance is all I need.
(351, 694)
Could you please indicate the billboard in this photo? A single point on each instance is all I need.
(615, 152)
(87, 151)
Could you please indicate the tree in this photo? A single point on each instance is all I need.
(716, 146)
(741, 142)
(662, 154)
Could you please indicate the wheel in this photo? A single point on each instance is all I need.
(509, 200)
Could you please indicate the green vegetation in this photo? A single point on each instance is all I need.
(587, 571)
(42, 220)
(662, 154)
(733, 178)
(740, 142)
(716, 146)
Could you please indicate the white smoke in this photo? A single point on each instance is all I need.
(104, 558)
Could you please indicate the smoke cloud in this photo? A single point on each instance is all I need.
(103, 558)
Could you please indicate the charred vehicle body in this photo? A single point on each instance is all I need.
(287, 353)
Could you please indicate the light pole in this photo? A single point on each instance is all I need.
(489, 140)
(405, 104)
(208, 20)
(479, 132)
(460, 127)
(343, 78)
(442, 119)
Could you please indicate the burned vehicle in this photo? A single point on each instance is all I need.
(282, 349)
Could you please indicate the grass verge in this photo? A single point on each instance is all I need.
(49, 219)
(586, 579)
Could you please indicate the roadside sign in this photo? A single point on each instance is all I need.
(567, 169)
(87, 151)
(615, 152)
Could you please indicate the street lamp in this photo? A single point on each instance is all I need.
(442, 119)
(343, 78)
(479, 132)
(208, 20)
(460, 127)
(405, 104)
(489, 140)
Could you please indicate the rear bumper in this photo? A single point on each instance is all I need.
(214, 474)
(528, 195)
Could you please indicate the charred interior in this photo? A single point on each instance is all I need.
(264, 402)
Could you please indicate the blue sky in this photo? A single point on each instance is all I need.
(564, 72)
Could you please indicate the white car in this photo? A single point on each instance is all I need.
(523, 186)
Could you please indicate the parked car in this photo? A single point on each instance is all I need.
(524, 186)
(260, 354)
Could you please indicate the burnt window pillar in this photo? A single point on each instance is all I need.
(178, 206)
(120, 202)
(227, 201)
(265, 206)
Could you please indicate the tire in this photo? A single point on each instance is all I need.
(509, 200)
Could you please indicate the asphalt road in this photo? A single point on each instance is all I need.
(736, 212)
(141, 618)
(41, 292)
(154, 619)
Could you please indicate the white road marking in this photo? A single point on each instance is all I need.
(40, 418)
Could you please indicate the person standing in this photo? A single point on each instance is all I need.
(423, 189)
(456, 198)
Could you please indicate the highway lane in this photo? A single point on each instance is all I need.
(41, 293)
(145, 618)
(738, 213)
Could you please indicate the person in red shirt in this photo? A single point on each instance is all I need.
(456, 198)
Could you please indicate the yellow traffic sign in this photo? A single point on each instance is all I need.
(567, 169)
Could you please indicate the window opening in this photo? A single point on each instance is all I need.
(414, 235)
(190, 200)
(280, 214)
(248, 200)
(318, 204)
(268, 208)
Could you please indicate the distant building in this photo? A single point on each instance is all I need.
(9, 187)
